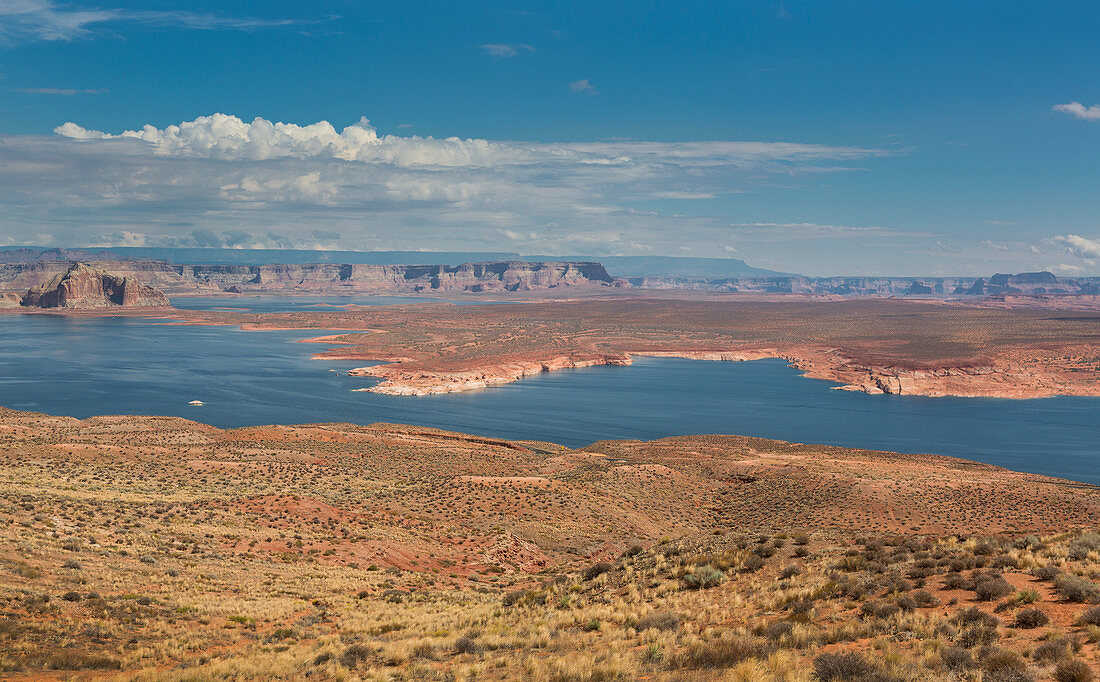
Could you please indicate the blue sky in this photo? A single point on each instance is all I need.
(820, 137)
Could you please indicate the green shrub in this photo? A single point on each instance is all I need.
(703, 577)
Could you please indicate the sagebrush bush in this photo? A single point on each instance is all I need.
(719, 654)
(1073, 670)
(1077, 589)
(1048, 572)
(595, 570)
(977, 635)
(1090, 616)
(992, 589)
(1031, 618)
(777, 630)
(973, 614)
(954, 581)
(1053, 650)
(956, 658)
(846, 666)
(661, 620)
(998, 661)
(354, 654)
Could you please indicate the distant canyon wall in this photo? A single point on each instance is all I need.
(327, 277)
(505, 276)
(1027, 283)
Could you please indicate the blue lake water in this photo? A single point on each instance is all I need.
(85, 367)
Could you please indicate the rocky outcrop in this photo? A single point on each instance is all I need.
(398, 380)
(82, 286)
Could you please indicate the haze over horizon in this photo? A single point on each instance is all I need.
(833, 138)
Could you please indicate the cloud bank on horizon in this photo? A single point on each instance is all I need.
(221, 181)
(313, 186)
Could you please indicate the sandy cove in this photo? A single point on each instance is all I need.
(993, 380)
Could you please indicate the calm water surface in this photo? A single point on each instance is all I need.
(85, 367)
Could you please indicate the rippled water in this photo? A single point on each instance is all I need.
(84, 367)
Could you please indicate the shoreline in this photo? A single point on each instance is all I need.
(453, 362)
(984, 381)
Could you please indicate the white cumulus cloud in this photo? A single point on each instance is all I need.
(1078, 110)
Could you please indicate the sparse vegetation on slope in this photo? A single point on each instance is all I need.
(147, 548)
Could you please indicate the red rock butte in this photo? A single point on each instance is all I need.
(85, 287)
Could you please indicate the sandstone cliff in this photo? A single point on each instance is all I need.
(82, 286)
(333, 278)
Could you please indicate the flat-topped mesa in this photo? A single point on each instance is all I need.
(472, 277)
(83, 286)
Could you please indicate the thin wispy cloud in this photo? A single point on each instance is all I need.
(34, 20)
(222, 174)
(62, 91)
(505, 49)
(804, 230)
(583, 87)
(1078, 110)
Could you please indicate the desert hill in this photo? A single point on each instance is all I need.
(161, 548)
